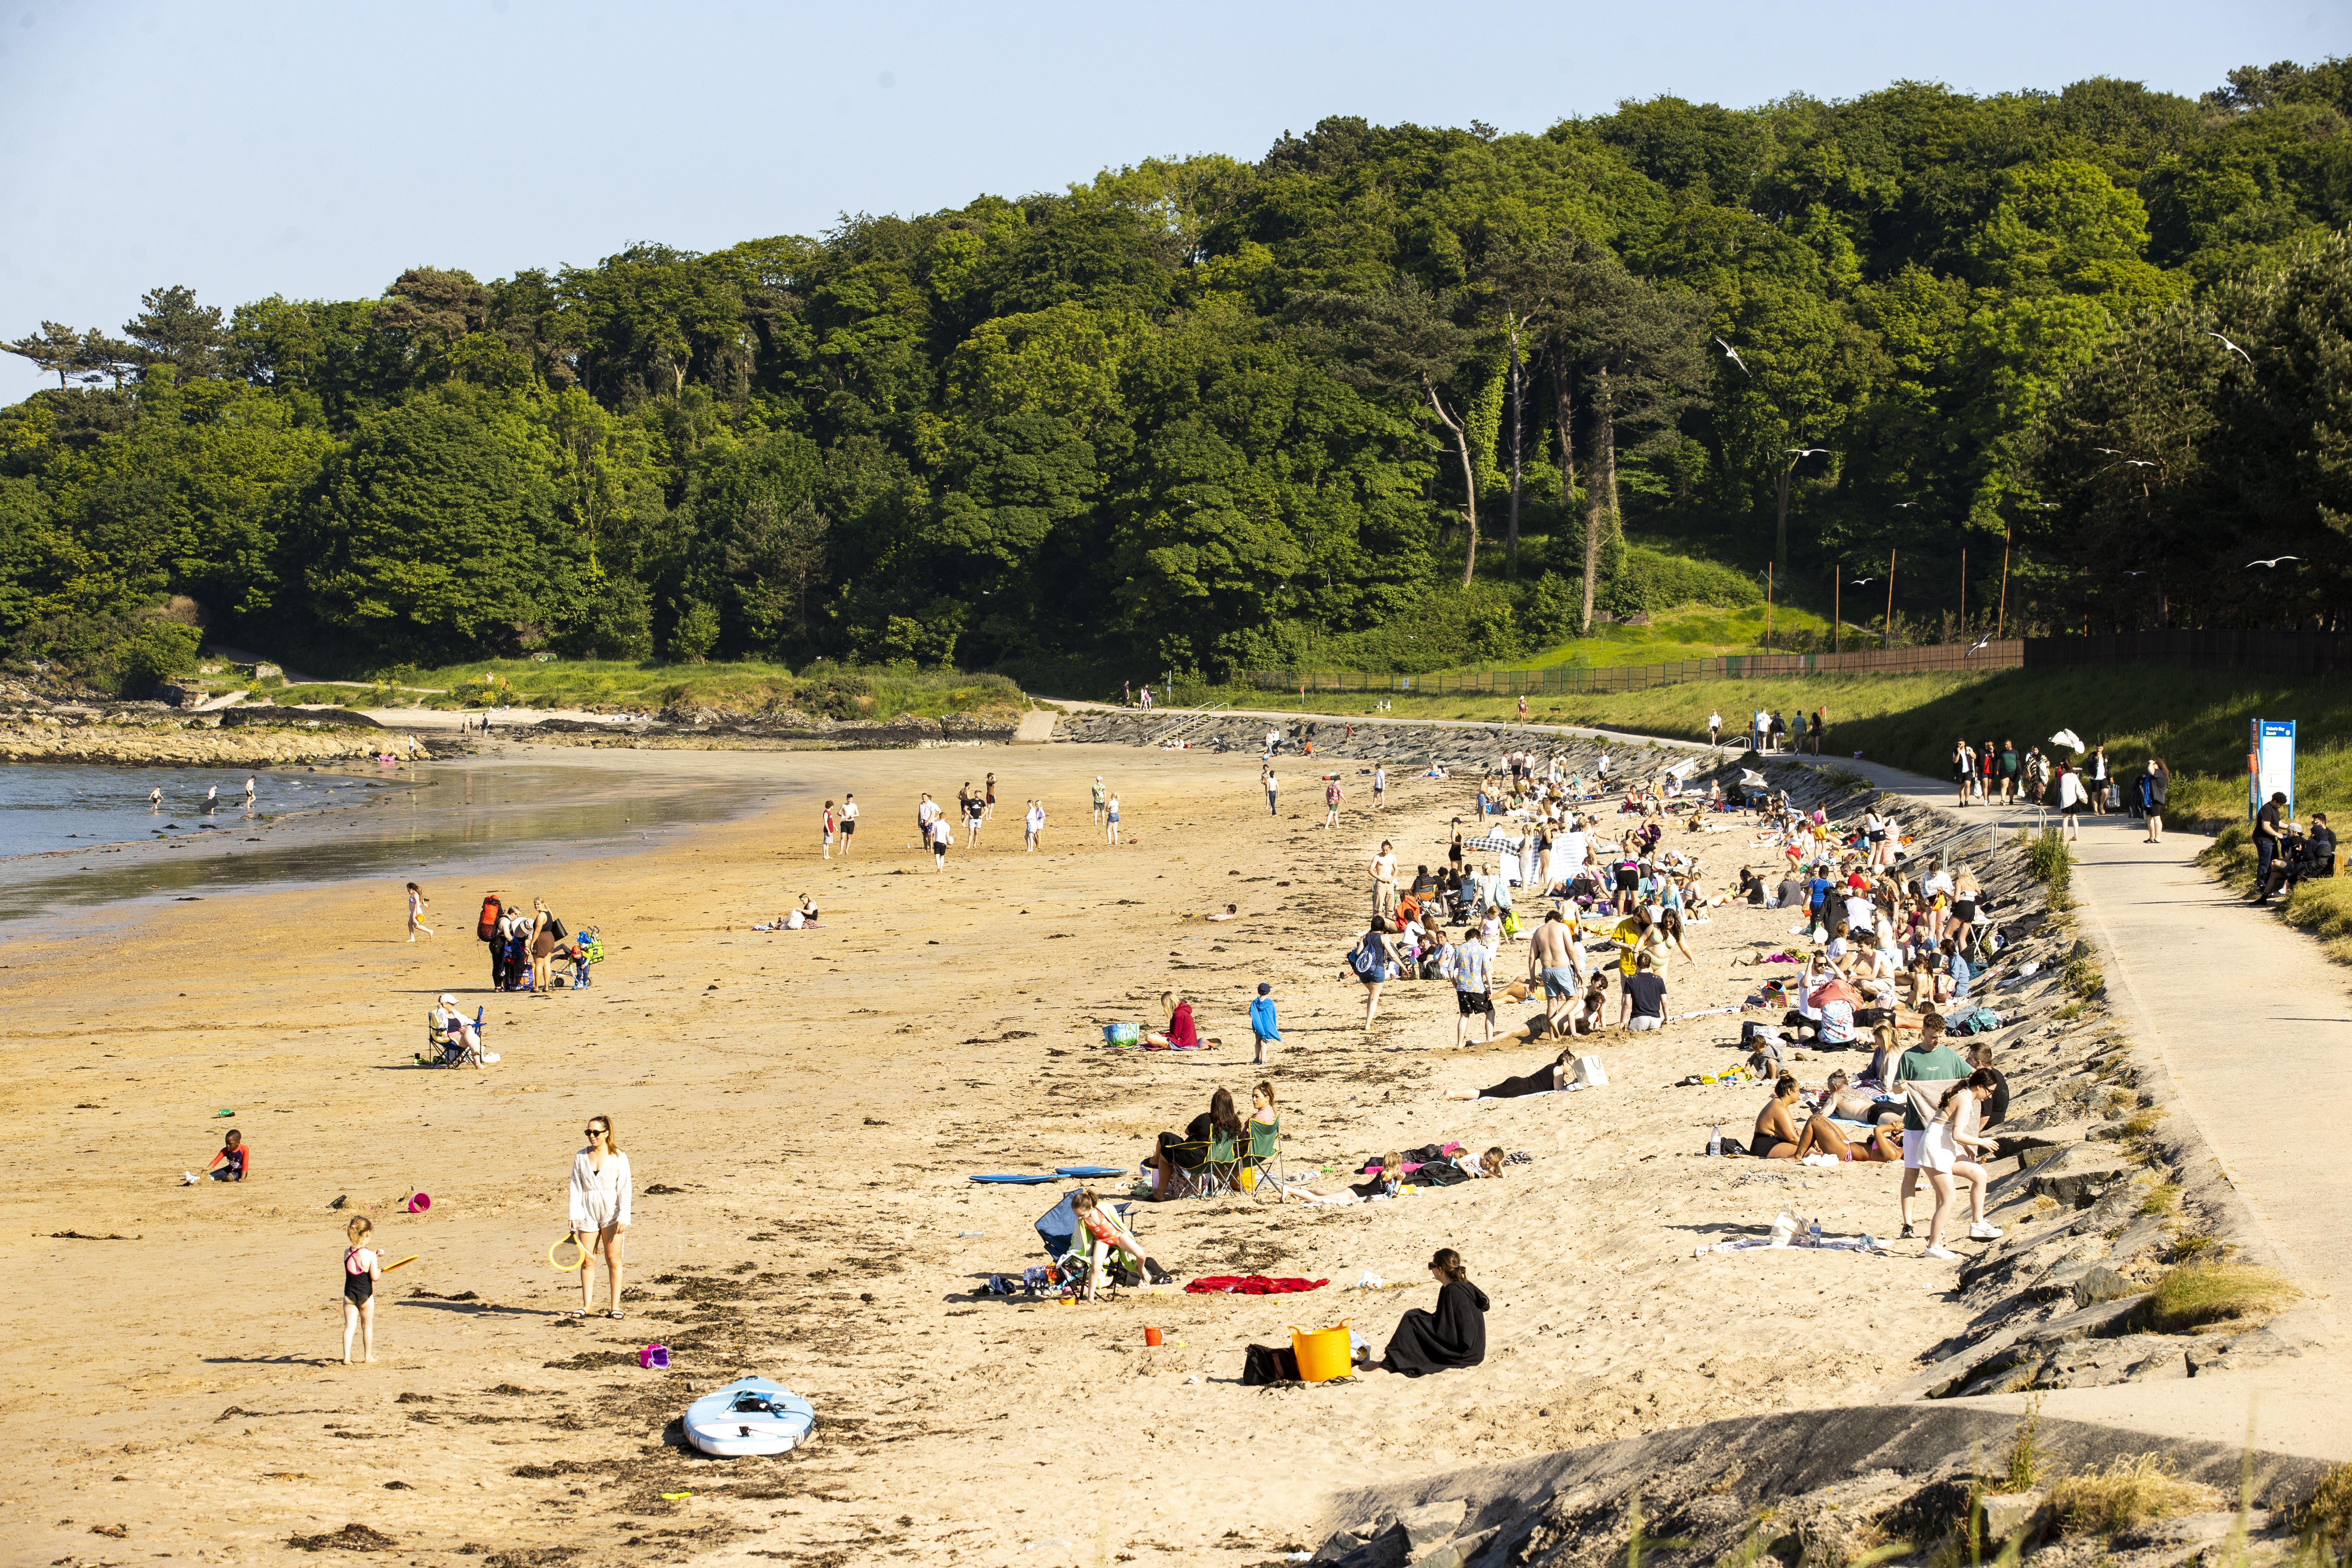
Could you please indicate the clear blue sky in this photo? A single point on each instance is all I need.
(316, 150)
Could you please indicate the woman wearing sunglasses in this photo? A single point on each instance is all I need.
(600, 1210)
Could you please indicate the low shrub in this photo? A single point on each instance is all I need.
(2201, 1295)
(2137, 1490)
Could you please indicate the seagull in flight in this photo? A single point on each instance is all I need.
(2138, 463)
(2140, 574)
(1751, 776)
(1864, 581)
(2232, 347)
(2273, 561)
(2110, 451)
(1980, 644)
(1733, 354)
(1806, 451)
(1901, 504)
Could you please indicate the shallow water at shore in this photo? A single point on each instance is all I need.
(82, 835)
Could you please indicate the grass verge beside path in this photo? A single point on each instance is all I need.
(2195, 720)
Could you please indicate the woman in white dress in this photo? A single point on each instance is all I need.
(600, 1210)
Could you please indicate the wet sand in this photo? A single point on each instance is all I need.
(802, 1110)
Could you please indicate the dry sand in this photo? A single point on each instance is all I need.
(802, 1110)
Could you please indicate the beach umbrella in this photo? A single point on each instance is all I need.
(2068, 739)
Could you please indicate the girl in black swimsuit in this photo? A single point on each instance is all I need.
(362, 1268)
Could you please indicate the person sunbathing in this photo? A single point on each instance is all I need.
(1229, 911)
(1382, 1186)
(1543, 1080)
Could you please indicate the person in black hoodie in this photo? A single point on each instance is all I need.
(1454, 1335)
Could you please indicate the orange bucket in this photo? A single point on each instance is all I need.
(1152, 1336)
(1323, 1355)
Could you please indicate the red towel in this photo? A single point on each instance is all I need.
(1250, 1285)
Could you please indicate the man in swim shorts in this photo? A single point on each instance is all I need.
(1553, 959)
(848, 821)
(1473, 967)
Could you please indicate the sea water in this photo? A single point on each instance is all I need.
(84, 834)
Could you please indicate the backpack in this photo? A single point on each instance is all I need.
(487, 929)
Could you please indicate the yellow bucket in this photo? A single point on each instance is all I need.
(1323, 1355)
(1248, 1178)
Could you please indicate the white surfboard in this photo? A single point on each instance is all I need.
(750, 1416)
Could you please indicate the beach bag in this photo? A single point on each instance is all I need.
(1361, 961)
(1263, 1364)
(1510, 923)
(487, 929)
(555, 928)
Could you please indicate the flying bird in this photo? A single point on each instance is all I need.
(1980, 644)
(1806, 451)
(2273, 561)
(1864, 581)
(1733, 354)
(2232, 347)
(1901, 504)
(2141, 573)
(1751, 776)
(2138, 463)
(2068, 739)
(2110, 451)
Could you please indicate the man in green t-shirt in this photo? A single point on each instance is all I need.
(1922, 1072)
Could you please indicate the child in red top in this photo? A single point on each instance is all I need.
(235, 1160)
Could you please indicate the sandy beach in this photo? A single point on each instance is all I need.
(802, 1110)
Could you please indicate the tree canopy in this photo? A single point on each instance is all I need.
(1195, 408)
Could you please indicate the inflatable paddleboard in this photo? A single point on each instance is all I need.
(1017, 1180)
(750, 1416)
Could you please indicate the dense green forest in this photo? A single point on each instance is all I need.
(1407, 388)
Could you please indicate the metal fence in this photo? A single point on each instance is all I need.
(1562, 679)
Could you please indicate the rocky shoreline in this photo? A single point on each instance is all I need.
(151, 734)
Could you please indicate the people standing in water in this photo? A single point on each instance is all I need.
(362, 1267)
(600, 1212)
(155, 798)
(417, 912)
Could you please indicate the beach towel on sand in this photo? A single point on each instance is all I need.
(1250, 1285)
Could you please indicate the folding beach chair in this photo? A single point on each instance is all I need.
(1261, 1156)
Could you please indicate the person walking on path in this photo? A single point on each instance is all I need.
(2072, 798)
(1111, 818)
(417, 912)
(2009, 773)
(1266, 777)
(1264, 1025)
(1385, 888)
(2155, 782)
(600, 1212)
(848, 823)
(2097, 768)
(1331, 801)
(1523, 707)
(1714, 729)
(1098, 816)
(1963, 770)
(831, 828)
(1380, 786)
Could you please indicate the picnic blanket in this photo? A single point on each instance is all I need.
(1495, 842)
(1250, 1285)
